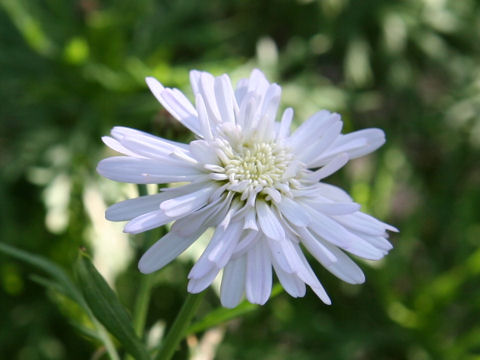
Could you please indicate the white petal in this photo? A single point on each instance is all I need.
(331, 167)
(155, 87)
(374, 137)
(203, 152)
(355, 144)
(222, 252)
(310, 130)
(329, 230)
(266, 127)
(182, 109)
(316, 248)
(202, 267)
(303, 270)
(128, 209)
(233, 282)
(250, 220)
(344, 268)
(147, 221)
(333, 259)
(218, 177)
(185, 157)
(271, 101)
(248, 111)
(206, 216)
(246, 242)
(241, 90)
(364, 223)
(206, 89)
(225, 98)
(182, 99)
(234, 209)
(160, 92)
(285, 123)
(322, 294)
(176, 104)
(290, 282)
(194, 80)
(273, 194)
(188, 203)
(180, 190)
(161, 151)
(165, 250)
(238, 187)
(263, 130)
(374, 220)
(335, 208)
(307, 275)
(212, 256)
(197, 285)
(258, 82)
(309, 151)
(364, 249)
(115, 145)
(259, 274)
(206, 127)
(281, 252)
(331, 192)
(294, 212)
(379, 242)
(120, 133)
(269, 222)
(145, 171)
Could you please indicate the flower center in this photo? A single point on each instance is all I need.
(252, 169)
(260, 164)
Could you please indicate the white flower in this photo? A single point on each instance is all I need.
(259, 186)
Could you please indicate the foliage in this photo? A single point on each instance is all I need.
(70, 70)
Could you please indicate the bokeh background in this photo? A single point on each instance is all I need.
(72, 69)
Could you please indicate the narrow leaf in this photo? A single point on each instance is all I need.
(221, 315)
(107, 308)
(62, 283)
(48, 284)
(59, 275)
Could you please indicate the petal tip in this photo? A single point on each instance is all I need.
(144, 267)
(154, 85)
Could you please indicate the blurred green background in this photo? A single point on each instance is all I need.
(72, 69)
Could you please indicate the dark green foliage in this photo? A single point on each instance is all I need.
(107, 309)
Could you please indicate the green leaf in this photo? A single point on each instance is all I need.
(222, 315)
(93, 334)
(48, 284)
(107, 308)
(64, 283)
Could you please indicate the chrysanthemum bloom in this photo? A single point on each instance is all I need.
(259, 186)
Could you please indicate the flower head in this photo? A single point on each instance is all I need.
(259, 186)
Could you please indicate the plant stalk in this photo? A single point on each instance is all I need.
(180, 326)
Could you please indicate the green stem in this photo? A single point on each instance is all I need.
(146, 282)
(179, 327)
(140, 309)
(142, 301)
(107, 342)
(141, 304)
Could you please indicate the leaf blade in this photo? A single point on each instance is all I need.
(222, 315)
(107, 308)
